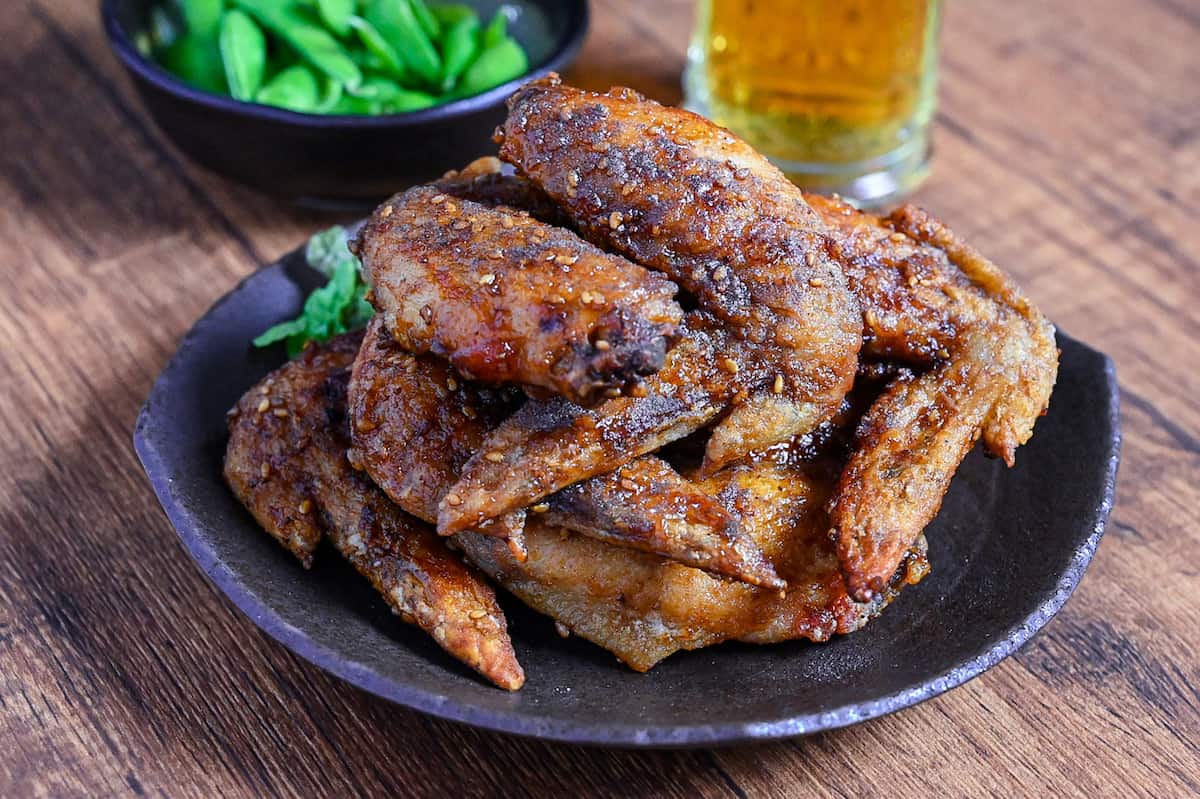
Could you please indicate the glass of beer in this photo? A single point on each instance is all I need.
(838, 93)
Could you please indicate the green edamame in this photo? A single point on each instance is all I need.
(426, 19)
(451, 13)
(336, 15)
(243, 53)
(398, 24)
(197, 59)
(202, 17)
(496, 29)
(497, 64)
(314, 44)
(459, 48)
(386, 57)
(294, 88)
(333, 56)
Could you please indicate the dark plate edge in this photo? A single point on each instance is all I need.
(601, 734)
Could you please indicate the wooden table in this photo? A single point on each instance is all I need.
(1068, 149)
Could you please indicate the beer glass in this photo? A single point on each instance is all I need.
(838, 93)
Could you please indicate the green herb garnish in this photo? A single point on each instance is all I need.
(337, 307)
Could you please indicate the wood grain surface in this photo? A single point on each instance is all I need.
(1068, 149)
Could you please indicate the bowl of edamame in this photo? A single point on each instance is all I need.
(336, 102)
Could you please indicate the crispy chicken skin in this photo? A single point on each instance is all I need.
(403, 407)
(286, 461)
(511, 300)
(673, 191)
(413, 430)
(642, 608)
(990, 360)
(547, 446)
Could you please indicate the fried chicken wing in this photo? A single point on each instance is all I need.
(642, 608)
(673, 191)
(286, 461)
(397, 399)
(991, 362)
(510, 300)
(547, 446)
(413, 431)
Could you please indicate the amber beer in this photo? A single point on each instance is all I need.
(838, 93)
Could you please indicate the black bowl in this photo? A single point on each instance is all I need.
(339, 159)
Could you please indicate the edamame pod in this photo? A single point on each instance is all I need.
(202, 17)
(398, 24)
(197, 60)
(243, 53)
(336, 15)
(295, 89)
(459, 48)
(314, 44)
(386, 56)
(425, 18)
(497, 64)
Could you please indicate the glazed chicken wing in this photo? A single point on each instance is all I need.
(932, 302)
(286, 461)
(642, 608)
(511, 300)
(673, 191)
(413, 430)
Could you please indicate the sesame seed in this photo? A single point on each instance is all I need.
(730, 365)
(469, 412)
(451, 208)
(615, 219)
(386, 212)
(566, 260)
(572, 178)
(778, 387)
(603, 345)
(563, 630)
(265, 470)
(506, 221)
(475, 615)
(451, 384)
(741, 173)
(612, 392)
(810, 258)
(454, 500)
(602, 146)
(264, 405)
(898, 238)
(487, 280)
(280, 412)
(628, 484)
(816, 282)
(494, 457)
(541, 507)
(460, 224)
(305, 506)
(438, 199)
(719, 273)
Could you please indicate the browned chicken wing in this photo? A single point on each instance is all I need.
(414, 426)
(677, 193)
(643, 609)
(510, 300)
(286, 461)
(932, 302)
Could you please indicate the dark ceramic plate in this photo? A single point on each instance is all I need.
(1007, 550)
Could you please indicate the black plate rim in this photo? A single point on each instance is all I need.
(607, 734)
